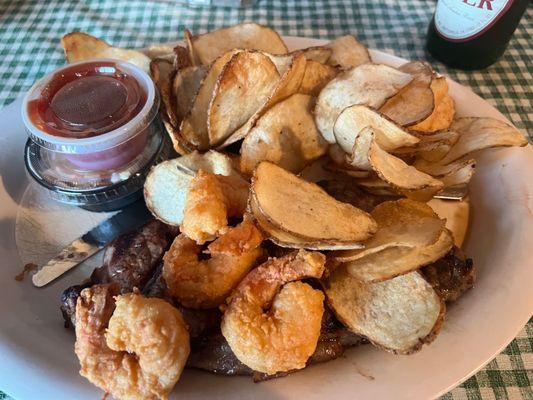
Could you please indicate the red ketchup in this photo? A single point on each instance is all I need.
(83, 101)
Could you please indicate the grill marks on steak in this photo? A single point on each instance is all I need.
(129, 261)
(452, 275)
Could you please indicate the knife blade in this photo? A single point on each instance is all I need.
(131, 217)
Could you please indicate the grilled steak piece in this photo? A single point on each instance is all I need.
(129, 261)
(452, 275)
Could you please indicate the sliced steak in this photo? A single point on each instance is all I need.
(129, 261)
(452, 275)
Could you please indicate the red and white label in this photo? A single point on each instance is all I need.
(461, 20)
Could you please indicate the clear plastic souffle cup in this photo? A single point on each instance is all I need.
(112, 108)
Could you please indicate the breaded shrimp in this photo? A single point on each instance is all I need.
(144, 350)
(206, 283)
(284, 337)
(210, 201)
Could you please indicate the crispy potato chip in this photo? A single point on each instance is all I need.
(209, 46)
(316, 76)
(374, 185)
(166, 186)
(393, 261)
(367, 84)
(305, 210)
(79, 46)
(352, 120)
(401, 176)
(161, 51)
(194, 126)
(347, 52)
(292, 70)
(182, 58)
(285, 135)
(162, 72)
(440, 170)
(247, 80)
(414, 102)
(186, 85)
(401, 223)
(398, 315)
(288, 240)
(456, 214)
(319, 54)
(443, 112)
(482, 133)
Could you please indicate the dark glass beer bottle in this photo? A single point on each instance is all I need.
(472, 34)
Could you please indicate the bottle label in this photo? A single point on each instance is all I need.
(462, 20)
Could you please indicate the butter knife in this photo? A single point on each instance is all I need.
(131, 217)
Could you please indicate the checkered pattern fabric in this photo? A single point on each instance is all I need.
(29, 48)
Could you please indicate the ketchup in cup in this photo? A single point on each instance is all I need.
(92, 125)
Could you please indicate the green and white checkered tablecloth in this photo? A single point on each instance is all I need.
(29, 48)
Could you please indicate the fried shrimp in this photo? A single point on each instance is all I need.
(211, 199)
(206, 283)
(284, 337)
(143, 352)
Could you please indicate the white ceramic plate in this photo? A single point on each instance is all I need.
(36, 353)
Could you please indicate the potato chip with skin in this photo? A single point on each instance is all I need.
(479, 134)
(319, 54)
(305, 210)
(292, 70)
(401, 223)
(366, 84)
(414, 102)
(167, 183)
(285, 135)
(186, 84)
(353, 119)
(79, 46)
(401, 176)
(316, 76)
(443, 112)
(243, 86)
(393, 261)
(194, 126)
(347, 52)
(288, 240)
(211, 45)
(398, 315)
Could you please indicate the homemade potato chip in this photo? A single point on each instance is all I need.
(305, 210)
(481, 133)
(247, 80)
(347, 52)
(443, 112)
(166, 186)
(366, 84)
(456, 214)
(401, 176)
(454, 174)
(415, 102)
(194, 126)
(291, 70)
(398, 315)
(288, 240)
(316, 76)
(162, 72)
(161, 51)
(209, 46)
(186, 85)
(393, 261)
(401, 223)
(285, 135)
(319, 54)
(79, 46)
(352, 120)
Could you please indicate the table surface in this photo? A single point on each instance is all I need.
(29, 47)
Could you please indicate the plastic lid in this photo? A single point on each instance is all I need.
(83, 111)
